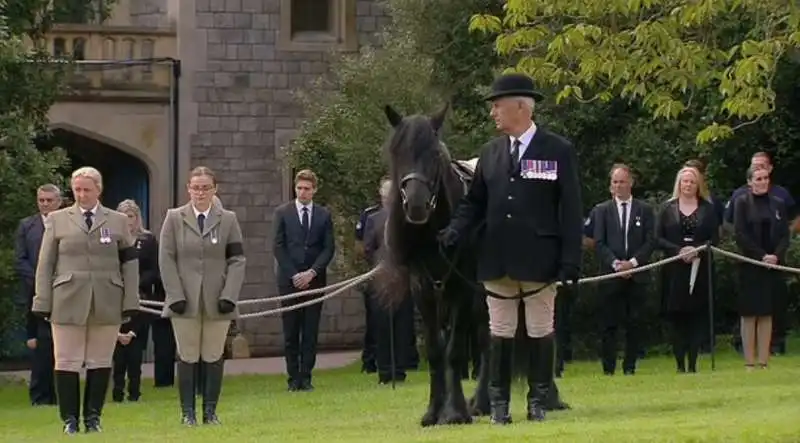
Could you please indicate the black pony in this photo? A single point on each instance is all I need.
(427, 185)
(425, 190)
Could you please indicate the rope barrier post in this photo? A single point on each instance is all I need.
(711, 337)
(391, 346)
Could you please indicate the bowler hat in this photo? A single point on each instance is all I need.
(513, 85)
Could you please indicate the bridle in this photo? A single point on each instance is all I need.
(433, 188)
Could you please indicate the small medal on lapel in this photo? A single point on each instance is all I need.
(777, 215)
(138, 244)
(638, 221)
(105, 236)
(214, 237)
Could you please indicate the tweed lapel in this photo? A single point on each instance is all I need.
(189, 219)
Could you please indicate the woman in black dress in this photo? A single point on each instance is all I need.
(687, 221)
(762, 233)
(132, 337)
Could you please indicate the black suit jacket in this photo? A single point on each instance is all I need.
(609, 235)
(295, 251)
(26, 249)
(533, 226)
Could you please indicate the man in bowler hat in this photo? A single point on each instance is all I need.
(526, 190)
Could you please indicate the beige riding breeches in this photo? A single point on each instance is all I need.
(74, 345)
(200, 338)
(539, 308)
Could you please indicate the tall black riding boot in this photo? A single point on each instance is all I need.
(540, 375)
(94, 397)
(212, 387)
(186, 386)
(68, 391)
(500, 379)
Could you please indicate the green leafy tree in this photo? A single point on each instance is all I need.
(29, 84)
(712, 60)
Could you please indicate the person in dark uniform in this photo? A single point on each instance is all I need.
(761, 226)
(527, 191)
(41, 390)
(368, 363)
(87, 286)
(398, 318)
(623, 234)
(687, 221)
(132, 338)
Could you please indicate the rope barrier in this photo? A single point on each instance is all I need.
(339, 288)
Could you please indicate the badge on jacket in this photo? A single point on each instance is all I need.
(105, 236)
(539, 169)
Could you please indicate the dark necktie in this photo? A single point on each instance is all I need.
(88, 216)
(624, 224)
(515, 156)
(305, 220)
(201, 222)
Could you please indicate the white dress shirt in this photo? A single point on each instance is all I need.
(625, 224)
(197, 212)
(525, 139)
(300, 207)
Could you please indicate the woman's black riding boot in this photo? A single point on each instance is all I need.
(186, 386)
(94, 397)
(68, 390)
(500, 379)
(212, 387)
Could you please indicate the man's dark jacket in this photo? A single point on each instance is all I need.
(533, 226)
(296, 252)
(610, 240)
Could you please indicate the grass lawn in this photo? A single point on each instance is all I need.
(728, 405)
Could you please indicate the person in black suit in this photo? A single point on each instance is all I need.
(623, 234)
(303, 247)
(39, 337)
(527, 191)
(687, 221)
(132, 337)
(761, 229)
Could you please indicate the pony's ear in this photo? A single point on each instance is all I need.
(394, 117)
(437, 119)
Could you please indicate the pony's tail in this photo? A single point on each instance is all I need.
(392, 283)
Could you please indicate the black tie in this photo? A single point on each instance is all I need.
(515, 156)
(88, 216)
(201, 221)
(305, 220)
(624, 223)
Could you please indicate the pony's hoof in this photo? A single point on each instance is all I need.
(429, 419)
(453, 417)
(478, 408)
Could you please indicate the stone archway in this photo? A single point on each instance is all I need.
(125, 174)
